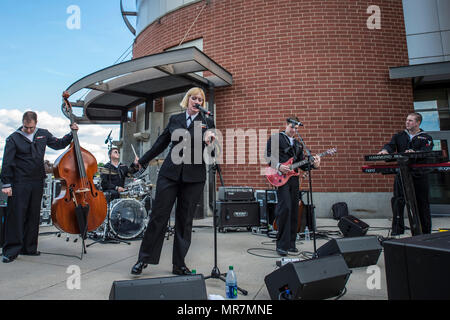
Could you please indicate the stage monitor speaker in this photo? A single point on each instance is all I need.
(351, 226)
(314, 279)
(357, 251)
(417, 267)
(238, 214)
(190, 287)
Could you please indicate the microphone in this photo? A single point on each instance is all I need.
(294, 122)
(203, 110)
(107, 139)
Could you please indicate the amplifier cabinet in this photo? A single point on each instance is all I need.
(236, 194)
(267, 200)
(237, 214)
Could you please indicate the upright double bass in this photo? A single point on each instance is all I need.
(80, 207)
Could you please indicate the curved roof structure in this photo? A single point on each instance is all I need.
(121, 87)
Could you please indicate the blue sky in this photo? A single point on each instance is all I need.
(40, 56)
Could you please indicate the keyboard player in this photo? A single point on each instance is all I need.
(412, 139)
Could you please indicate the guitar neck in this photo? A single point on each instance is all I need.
(303, 162)
(77, 148)
(80, 162)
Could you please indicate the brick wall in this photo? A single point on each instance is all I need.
(313, 59)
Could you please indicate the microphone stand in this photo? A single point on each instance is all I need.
(309, 196)
(215, 273)
(108, 141)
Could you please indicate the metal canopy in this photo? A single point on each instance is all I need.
(424, 75)
(117, 89)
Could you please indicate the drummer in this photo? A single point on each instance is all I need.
(114, 181)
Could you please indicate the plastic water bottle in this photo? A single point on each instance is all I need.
(307, 237)
(231, 284)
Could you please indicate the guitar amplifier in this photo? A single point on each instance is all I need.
(238, 214)
(236, 194)
(267, 200)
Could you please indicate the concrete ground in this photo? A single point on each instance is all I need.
(52, 276)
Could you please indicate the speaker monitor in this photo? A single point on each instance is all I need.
(357, 251)
(190, 287)
(351, 226)
(238, 214)
(417, 267)
(313, 279)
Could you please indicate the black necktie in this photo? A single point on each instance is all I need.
(189, 120)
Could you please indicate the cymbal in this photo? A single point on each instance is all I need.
(156, 162)
(103, 170)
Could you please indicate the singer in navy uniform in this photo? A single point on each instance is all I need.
(286, 210)
(181, 178)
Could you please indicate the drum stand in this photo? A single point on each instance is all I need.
(107, 238)
(170, 231)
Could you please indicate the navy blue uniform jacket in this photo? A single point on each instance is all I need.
(23, 160)
(189, 171)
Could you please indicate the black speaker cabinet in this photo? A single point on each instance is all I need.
(238, 214)
(190, 287)
(351, 226)
(314, 279)
(417, 268)
(267, 200)
(357, 251)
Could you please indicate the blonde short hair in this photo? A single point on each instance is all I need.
(191, 92)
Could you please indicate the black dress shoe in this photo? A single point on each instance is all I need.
(181, 271)
(7, 259)
(292, 250)
(36, 253)
(137, 268)
(282, 252)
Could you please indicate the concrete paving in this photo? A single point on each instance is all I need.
(52, 275)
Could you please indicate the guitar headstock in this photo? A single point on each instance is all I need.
(331, 151)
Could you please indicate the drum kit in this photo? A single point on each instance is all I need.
(127, 215)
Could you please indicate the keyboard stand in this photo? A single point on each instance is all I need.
(410, 196)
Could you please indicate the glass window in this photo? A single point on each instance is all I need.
(433, 105)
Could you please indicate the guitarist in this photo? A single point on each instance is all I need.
(286, 211)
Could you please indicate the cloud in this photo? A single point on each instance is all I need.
(91, 137)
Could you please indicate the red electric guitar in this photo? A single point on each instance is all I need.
(277, 179)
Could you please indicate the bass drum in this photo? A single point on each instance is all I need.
(128, 218)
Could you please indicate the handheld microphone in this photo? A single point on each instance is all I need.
(107, 139)
(209, 113)
(294, 122)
